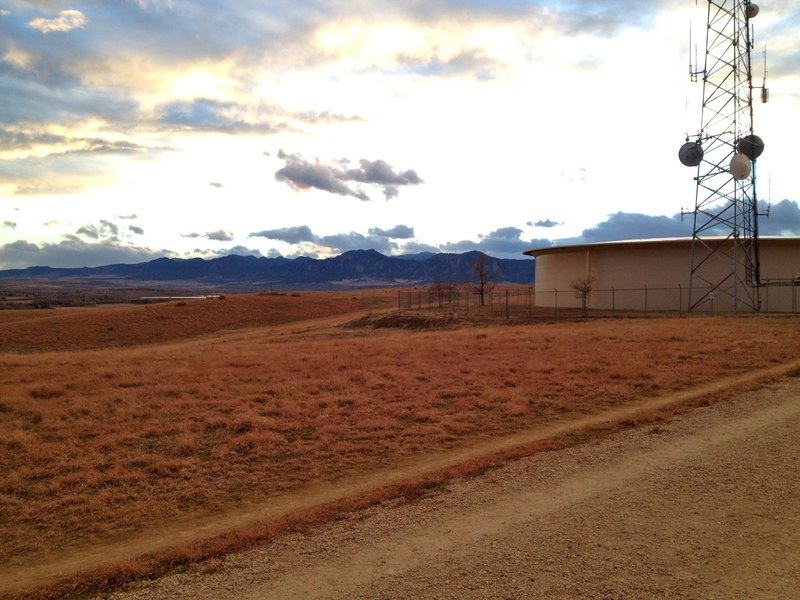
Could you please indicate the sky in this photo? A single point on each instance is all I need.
(136, 129)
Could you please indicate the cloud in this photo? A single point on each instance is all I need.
(233, 251)
(135, 229)
(207, 115)
(219, 236)
(302, 174)
(344, 242)
(290, 235)
(73, 252)
(398, 232)
(380, 172)
(547, 223)
(67, 20)
(131, 217)
(505, 242)
(9, 224)
(415, 247)
(783, 219)
(66, 170)
(473, 63)
(18, 140)
(89, 231)
(625, 226)
(105, 229)
(215, 184)
(377, 239)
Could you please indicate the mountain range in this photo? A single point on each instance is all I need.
(356, 268)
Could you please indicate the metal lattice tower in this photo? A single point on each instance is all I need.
(725, 255)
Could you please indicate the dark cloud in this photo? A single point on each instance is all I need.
(104, 230)
(131, 217)
(377, 239)
(505, 242)
(302, 174)
(19, 140)
(89, 231)
(73, 252)
(9, 224)
(109, 227)
(627, 226)
(290, 235)
(215, 184)
(547, 223)
(381, 173)
(414, 247)
(344, 242)
(398, 232)
(135, 229)
(783, 219)
(219, 236)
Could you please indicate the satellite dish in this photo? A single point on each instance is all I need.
(740, 166)
(751, 145)
(752, 11)
(691, 154)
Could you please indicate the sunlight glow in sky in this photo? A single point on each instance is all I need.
(134, 129)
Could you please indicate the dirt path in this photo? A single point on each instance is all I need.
(704, 506)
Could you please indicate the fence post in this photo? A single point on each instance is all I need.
(680, 300)
(613, 302)
(506, 304)
(556, 302)
(645, 301)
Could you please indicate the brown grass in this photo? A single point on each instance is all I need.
(133, 325)
(98, 442)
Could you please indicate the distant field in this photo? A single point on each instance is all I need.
(116, 418)
(132, 325)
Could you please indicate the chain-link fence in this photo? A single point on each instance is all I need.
(529, 301)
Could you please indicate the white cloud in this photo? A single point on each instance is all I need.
(67, 20)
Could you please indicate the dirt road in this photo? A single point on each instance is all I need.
(706, 505)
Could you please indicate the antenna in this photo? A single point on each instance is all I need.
(693, 72)
(725, 254)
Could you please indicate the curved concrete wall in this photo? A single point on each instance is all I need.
(654, 275)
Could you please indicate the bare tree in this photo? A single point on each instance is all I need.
(583, 287)
(485, 277)
(442, 292)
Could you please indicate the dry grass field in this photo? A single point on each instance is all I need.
(116, 418)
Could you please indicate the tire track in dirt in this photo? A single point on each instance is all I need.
(29, 572)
